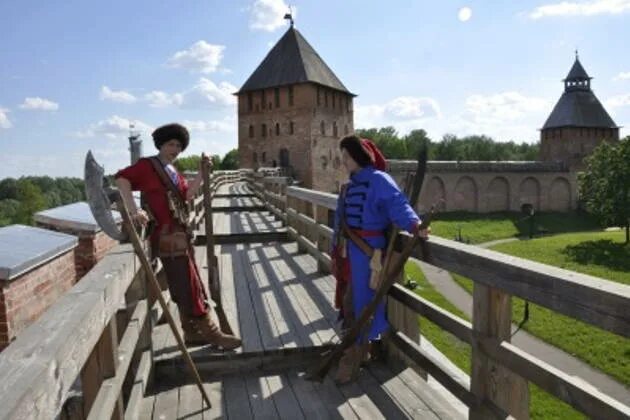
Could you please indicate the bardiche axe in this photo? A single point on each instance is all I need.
(100, 199)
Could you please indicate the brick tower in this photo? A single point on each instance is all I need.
(292, 111)
(578, 122)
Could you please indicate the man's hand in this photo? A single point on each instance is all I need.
(141, 217)
(205, 159)
(423, 232)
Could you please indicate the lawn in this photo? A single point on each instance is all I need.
(600, 254)
(542, 405)
(478, 228)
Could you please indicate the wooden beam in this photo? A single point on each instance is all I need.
(492, 317)
(247, 238)
(572, 390)
(458, 327)
(230, 209)
(63, 338)
(590, 299)
(110, 390)
(316, 197)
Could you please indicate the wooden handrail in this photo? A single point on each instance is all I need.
(590, 299)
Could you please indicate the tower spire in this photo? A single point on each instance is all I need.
(289, 16)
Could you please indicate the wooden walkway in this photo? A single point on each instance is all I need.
(282, 307)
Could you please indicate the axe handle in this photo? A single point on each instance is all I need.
(144, 261)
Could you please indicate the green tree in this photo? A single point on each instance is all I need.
(414, 141)
(188, 163)
(230, 160)
(9, 209)
(8, 188)
(31, 201)
(605, 184)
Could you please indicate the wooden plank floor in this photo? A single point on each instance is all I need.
(235, 188)
(273, 297)
(379, 393)
(236, 202)
(243, 222)
(279, 303)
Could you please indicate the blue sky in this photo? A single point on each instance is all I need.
(74, 74)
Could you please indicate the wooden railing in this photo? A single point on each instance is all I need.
(498, 385)
(89, 355)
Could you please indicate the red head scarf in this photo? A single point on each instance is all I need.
(376, 156)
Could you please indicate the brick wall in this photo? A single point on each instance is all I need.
(298, 131)
(91, 249)
(572, 144)
(24, 298)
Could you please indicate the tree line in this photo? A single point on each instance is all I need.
(450, 147)
(191, 163)
(21, 198)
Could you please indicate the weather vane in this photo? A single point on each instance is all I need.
(289, 16)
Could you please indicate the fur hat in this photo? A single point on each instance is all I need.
(169, 132)
(364, 152)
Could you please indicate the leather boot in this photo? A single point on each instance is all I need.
(211, 332)
(348, 369)
(192, 337)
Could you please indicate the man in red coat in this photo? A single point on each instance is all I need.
(166, 205)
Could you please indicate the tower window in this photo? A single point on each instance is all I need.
(276, 97)
(319, 96)
(290, 95)
(334, 99)
(251, 131)
(263, 130)
(263, 99)
(264, 157)
(250, 101)
(277, 129)
(291, 127)
(255, 157)
(322, 128)
(335, 129)
(326, 99)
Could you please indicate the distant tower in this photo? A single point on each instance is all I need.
(578, 122)
(135, 144)
(293, 109)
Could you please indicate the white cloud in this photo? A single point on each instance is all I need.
(116, 96)
(618, 101)
(113, 127)
(4, 118)
(505, 106)
(464, 14)
(268, 15)
(39, 104)
(583, 8)
(623, 76)
(159, 99)
(207, 93)
(201, 57)
(401, 109)
(226, 125)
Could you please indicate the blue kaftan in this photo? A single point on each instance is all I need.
(372, 202)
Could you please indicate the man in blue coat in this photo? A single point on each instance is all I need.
(367, 206)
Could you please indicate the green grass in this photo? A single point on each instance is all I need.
(478, 228)
(600, 254)
(542, 405)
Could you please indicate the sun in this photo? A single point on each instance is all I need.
(464, 14)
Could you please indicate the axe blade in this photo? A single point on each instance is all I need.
(99, 199)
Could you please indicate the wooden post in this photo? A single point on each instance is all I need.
(323, 245)
(403, 319)
(492, 318)
(101, 364)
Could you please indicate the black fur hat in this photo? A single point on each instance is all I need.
(169, 132)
